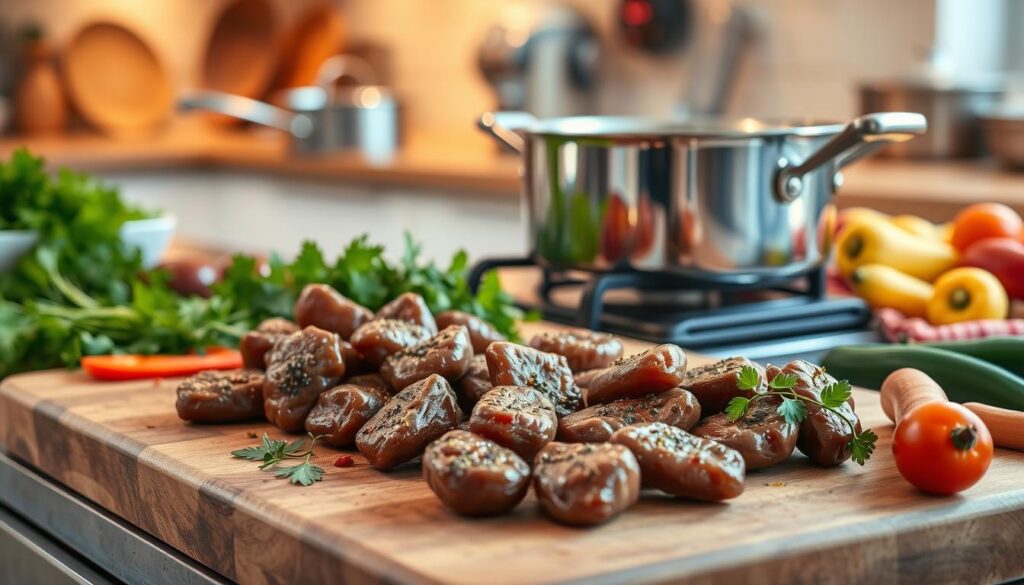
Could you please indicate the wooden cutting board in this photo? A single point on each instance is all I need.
(121, 446)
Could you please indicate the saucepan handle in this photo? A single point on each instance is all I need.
(506, 127)
(250, 110)
(861, 137)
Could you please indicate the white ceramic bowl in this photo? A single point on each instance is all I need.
(151, 236)
(13, 245)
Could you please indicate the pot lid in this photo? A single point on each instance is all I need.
(630, 127)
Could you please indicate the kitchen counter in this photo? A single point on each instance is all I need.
(469, 162)
(461, 161)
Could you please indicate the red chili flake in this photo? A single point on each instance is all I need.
(344, 461)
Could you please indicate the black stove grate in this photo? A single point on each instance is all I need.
(711, 314)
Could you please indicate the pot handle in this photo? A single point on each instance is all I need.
(250, 110)
(861, 137)
(506, 127)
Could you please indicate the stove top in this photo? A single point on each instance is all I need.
(767, 320)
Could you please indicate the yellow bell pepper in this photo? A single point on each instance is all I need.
(884, 286)
(917, 226)
(880, 242)
(967, 294)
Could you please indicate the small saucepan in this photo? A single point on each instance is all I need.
(718, 200)
(322, 118)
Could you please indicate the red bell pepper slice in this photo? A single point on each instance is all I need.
(138, 367)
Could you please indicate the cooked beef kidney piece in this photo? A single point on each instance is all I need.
(582, 350)
(447, 354)
(322, 306)
(481, 333)
(583, 484)
(824, 436)
(411, 308)
(474, 384)
(520, 418)
(595, 424)
(343, 410)
(299, 368)
(583, 379)
(674, 461)
(409, 422)
(658, 369)
(256, 343)
(373, 380)
(473, 476)
(510, 364)
(762, 436)
(716, 384)
(380, 338)
(221, 396)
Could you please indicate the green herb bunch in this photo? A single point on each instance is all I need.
(81, 292)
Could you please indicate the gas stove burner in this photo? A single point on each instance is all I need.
(689, 311)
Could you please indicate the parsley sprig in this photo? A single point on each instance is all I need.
(270, 452)
(794, 405)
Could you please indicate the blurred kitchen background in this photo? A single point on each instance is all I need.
(96, 84)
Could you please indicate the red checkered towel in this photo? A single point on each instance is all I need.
(898, 328)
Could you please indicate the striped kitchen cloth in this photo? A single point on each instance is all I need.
(898, 328)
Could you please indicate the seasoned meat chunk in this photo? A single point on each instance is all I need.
(380, 338)
(584, 484)
(322, 306)
(354, 363)
(517, 417)
(411, 308)
(674, 461)
(299, 368)
(371, 380)
(473, 476)
(221, 396)
(762, 436)
(583, 350)
(474, 384)
(658, 369)
(481, 333)
(595, 424)
(447, 354)
(414, 418)
(824, 437)
(515, 365)
(255, 344)
(716, 384)
(583, 379)
(343, 410)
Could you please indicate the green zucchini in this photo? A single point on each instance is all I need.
(964, 378)
(1005, 352)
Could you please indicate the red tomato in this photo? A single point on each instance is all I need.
(941, 447)
(985, 220)
(1003, 257)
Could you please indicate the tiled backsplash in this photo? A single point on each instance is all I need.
(809, 55)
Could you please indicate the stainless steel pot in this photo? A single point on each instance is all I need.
(721, 200)
(321, 118)
(952, 109)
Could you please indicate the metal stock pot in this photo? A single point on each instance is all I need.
(721, 200)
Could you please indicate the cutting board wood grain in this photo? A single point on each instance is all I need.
(121, 446)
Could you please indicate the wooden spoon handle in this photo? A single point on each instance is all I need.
(906, 388)
(1006, 426)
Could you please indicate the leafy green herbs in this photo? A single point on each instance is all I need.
(271, 452)
(81, 292)
(793, 407)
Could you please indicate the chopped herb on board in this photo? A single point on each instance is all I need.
(270, 452)
(794, 408)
